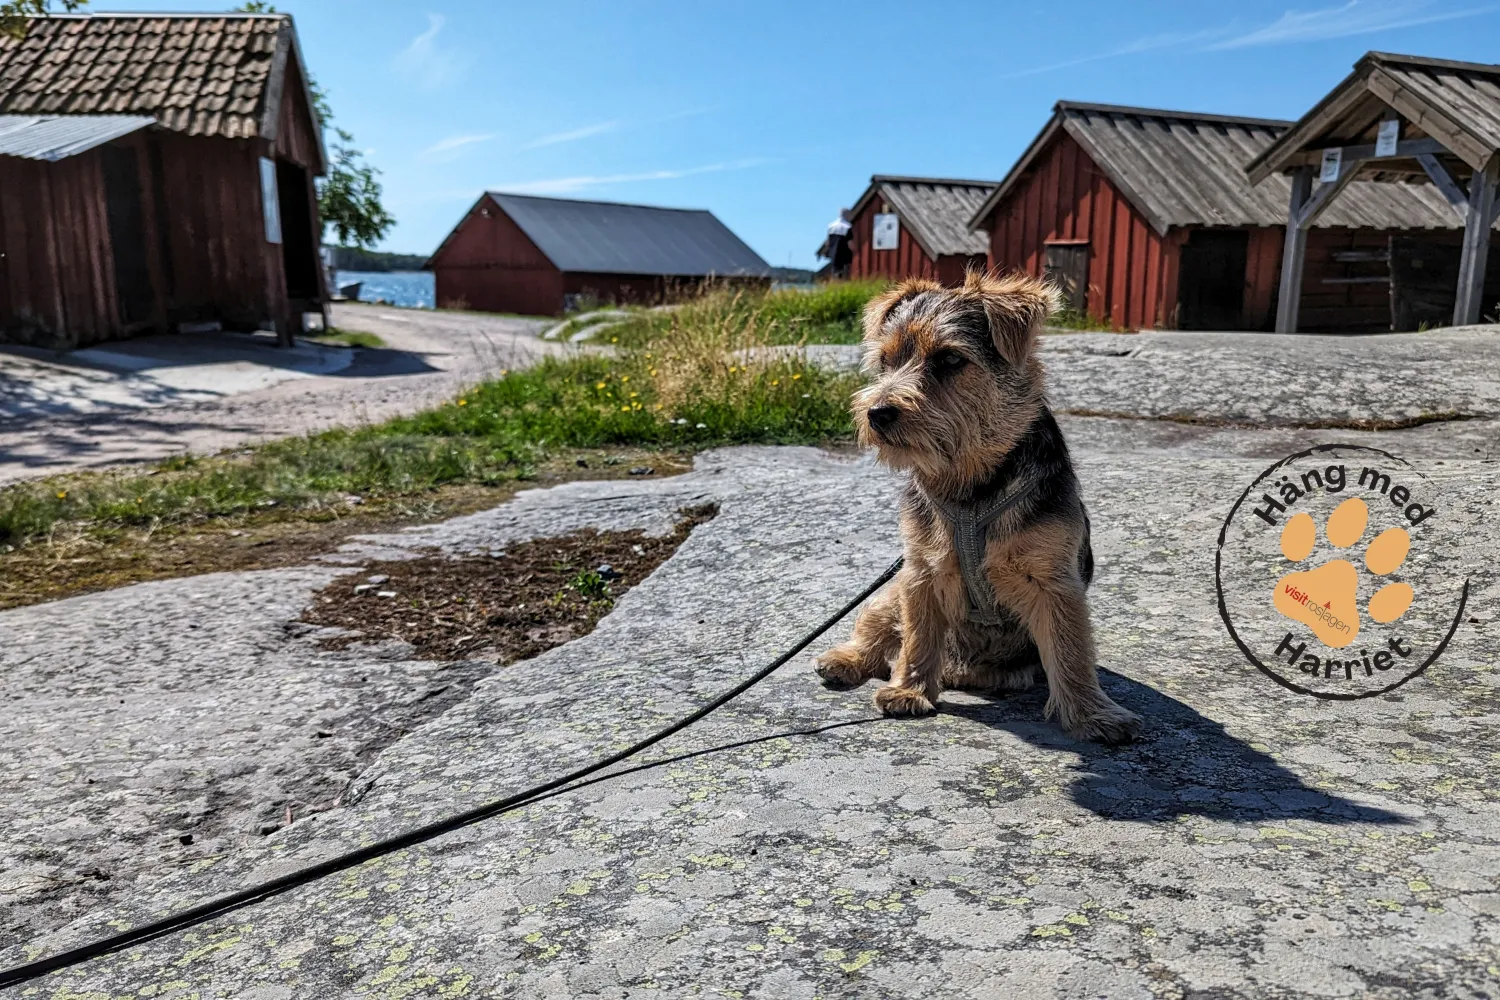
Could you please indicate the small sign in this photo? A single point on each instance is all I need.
(887, 231)
(1387, 137)
(270, 200)
(1332, 160)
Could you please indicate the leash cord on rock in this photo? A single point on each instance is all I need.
(207, 911)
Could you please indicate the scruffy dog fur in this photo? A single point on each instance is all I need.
(955, 399)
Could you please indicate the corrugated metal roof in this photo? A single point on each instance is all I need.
(52, 138)
(935, 209)
(1457, 103)
(604, 237)
(1184, 169)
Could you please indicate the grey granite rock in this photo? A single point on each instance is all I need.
(1256, 844)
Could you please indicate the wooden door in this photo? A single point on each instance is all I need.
(1067, 267)
(1211, 280)
(127, 236)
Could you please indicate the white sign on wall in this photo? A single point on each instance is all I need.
(1387, 137)
(270, 200)
(1332, 160)
(887, 231)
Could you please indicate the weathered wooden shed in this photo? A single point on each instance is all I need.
(1402, 121)
(1147, 218)
(917, 227)
(538, 256)
(155, 172)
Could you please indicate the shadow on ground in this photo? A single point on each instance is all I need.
(1185, 764)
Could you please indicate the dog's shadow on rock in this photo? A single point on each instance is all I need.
(1184, 764)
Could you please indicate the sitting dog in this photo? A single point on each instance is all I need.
(996, 537)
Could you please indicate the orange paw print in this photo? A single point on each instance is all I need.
(1325, 598)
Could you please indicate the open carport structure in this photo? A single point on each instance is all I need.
(1398, 119)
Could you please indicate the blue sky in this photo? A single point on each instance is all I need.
(773, 115)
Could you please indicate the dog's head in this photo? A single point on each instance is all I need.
(954, 378)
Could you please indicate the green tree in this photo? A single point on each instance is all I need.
(349, 194)
(14, 14)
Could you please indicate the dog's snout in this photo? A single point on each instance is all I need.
(883, 417)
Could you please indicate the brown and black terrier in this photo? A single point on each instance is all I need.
(997, 539)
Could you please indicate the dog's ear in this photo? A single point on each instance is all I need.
(878, 309)
(1015, 307)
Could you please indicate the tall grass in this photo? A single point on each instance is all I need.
(826, 314)
(690, 377)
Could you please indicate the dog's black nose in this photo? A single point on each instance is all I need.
(882, 417)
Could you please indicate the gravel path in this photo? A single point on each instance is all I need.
(428, 357)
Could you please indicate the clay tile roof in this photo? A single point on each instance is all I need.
(196, 73)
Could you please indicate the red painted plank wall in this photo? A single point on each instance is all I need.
(491, 265)
(1065, 197)
(908, 260)
(53, 225)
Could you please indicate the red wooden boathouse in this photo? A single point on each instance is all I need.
(1147, 218)
(155, 172)
(917, 227)
(538, 256)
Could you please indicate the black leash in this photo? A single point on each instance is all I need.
(207, 911)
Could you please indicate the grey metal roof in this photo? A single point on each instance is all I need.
(936, 210)
(1457, 103)
(56, 137)
(1184, 169)
(611, 238)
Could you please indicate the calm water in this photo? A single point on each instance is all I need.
(413, 289)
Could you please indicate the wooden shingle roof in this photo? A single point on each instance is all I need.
(1456, 103)
(1184, 169)
(935, 210)
(212, 75)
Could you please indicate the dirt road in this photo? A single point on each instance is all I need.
(428, 357)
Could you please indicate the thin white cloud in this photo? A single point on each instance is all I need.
(566, 185)
(1354, 17)
(572, 135)
(430, 65)
(1357, 17)
(1149, 43)
(454, 145)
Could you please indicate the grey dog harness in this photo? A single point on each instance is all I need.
(971, 523)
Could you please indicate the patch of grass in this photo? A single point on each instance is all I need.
(348, 338)
(1079, 322)
(684, 388)
(826, 314)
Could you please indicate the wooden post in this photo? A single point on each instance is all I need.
(1293, 254)
(1482, 185)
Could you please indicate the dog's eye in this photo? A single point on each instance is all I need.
(949, 361)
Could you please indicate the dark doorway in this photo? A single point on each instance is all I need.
(1211, 280)
(1068, 269)
(299, 253)
(127, 235)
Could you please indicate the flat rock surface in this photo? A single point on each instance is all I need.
(1256, 842)
(116, 406)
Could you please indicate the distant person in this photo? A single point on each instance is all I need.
(835, 248)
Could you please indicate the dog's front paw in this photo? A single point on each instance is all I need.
(903, 701)
(842, 667)
(1109, 723)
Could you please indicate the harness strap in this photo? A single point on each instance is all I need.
(970, 525)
